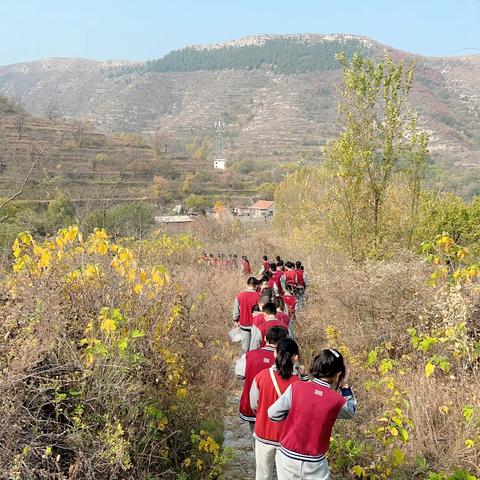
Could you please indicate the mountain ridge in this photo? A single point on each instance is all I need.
(253, 39)
(275, 93)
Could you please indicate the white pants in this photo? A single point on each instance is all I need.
(289, 469)
(265, 460)
(246, 336)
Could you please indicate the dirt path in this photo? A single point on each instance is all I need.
(238, 437)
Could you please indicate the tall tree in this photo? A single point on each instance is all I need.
(379, 139)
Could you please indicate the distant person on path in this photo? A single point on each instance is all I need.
(265, 266)
(302, 283)
(277, 280)
(290, 300)
(246, 268)
(242, 311)
(279, 303)
(311, 409)
(259, 331)
(267, 387)
(291, 275)
(252, 363)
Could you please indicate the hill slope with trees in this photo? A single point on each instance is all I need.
(276, 95)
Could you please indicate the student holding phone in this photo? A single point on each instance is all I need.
(310, 410)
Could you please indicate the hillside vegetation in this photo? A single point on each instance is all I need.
(276, 95)
(282, 55)
(116, 181)
(115, 361)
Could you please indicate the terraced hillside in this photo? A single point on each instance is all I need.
(276, 94)
(91, 166)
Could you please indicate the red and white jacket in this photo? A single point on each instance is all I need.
(301, 280)
(242, 308)
(291, 277)
(247, 367)
(263, 394)
(277, 282)
(310, 409)
(290, 302)
(265, 267)
(260, 330)
(284, 317)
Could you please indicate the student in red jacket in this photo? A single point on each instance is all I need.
(242, 311)
(311, 409)
(259, 316)
(265, 266)
(302, 283)
(246, 268)
(291, 276)
(260, 330)
(290, 300)
(253, 362)
(266, 388)
(279, 303)
(277, 280)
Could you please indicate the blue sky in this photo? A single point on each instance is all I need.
(143, 29)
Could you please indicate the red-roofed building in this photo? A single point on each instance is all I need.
(263, 209)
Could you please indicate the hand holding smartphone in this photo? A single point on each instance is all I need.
(343, 381)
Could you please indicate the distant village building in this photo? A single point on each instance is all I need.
(241, 211)
(219, 164)
(263, 209)
(174, 223)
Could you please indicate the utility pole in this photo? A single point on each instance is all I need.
(219, 162)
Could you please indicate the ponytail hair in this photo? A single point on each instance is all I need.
(286, 349)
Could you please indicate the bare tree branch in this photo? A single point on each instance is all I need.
(37, 154)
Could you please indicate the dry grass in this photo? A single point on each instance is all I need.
(127, 414)
(355, 307)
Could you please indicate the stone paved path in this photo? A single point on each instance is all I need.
(238, 437)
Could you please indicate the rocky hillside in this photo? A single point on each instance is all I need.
(275, 93)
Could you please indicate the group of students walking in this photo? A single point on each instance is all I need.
(291, 411)
(228, 261)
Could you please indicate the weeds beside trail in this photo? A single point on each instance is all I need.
(115, 361)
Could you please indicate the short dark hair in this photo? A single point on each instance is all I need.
(269, 308)
(290, 265)
(298, 264)
(278, 258)
(280, 263)
(264, 299)
(275, 334)
(265, 257)
(327, 364)
(252, 281)
(255, 308)
(273, 267)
